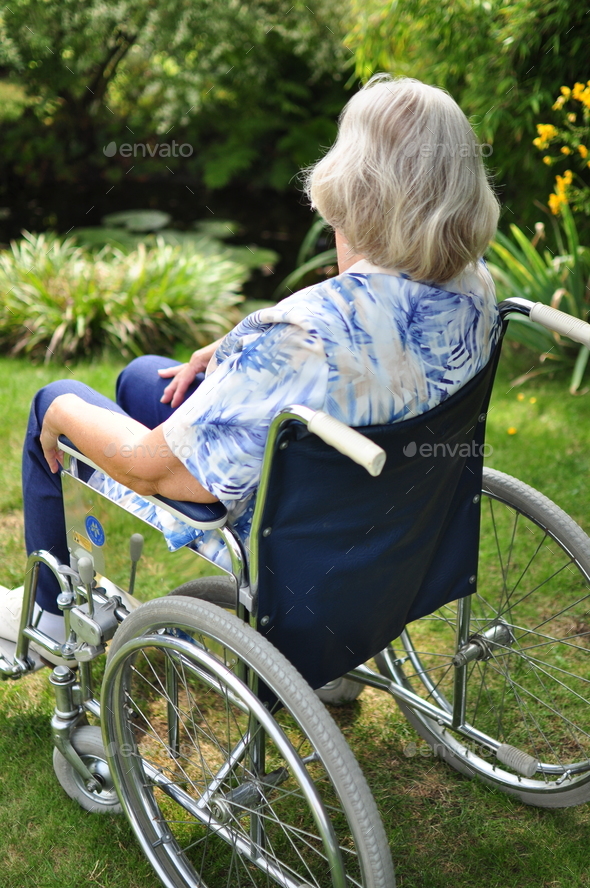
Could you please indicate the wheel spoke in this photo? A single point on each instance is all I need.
(528, 657)
(248, 793)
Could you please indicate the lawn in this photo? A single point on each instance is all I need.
(443, 829)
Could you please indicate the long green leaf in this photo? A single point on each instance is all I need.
(579, 368)
(310, 240)
(328, 257)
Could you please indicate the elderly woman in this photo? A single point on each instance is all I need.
(409, 319)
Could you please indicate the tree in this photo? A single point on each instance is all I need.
(228, 76)
(504, 62)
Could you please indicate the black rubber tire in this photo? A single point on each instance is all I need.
(87, 741)
(547, 660)
(213, 629)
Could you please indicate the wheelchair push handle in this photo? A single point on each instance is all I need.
(551, 318)
(560, 322)
(349, 442)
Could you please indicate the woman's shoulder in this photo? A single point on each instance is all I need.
(475, 280)
(321, 302)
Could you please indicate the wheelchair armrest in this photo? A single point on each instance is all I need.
(202, 516)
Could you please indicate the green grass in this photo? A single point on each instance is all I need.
(443, 829)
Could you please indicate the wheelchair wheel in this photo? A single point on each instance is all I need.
(218, 590)
(221, 591)
(87, 741)
(220, 789)
(519, 684)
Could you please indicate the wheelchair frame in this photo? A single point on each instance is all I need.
(93, 617)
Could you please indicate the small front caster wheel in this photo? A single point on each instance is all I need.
(87, 741)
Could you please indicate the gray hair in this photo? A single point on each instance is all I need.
(405, 181)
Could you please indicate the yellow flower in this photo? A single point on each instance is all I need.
(532, 400)
(520, 396)
(547, 160)
(583, 151)
(565, 149)
(546, 130)
(559, 199)
(578, 90)
(583, 96)
(555, 202)
(559, 103)
(563, 182)
(512, 430)
(571, 118)
(566, 91)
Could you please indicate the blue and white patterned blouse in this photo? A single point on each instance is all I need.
(368, 346)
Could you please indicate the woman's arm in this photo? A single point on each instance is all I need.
(126, 450)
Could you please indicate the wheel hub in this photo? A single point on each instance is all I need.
(482, 645)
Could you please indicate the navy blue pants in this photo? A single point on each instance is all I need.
(139, 389)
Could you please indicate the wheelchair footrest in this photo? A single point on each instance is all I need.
(8, 666)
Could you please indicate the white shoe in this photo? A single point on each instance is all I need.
(11, 603)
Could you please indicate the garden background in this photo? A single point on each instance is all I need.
(200, 114)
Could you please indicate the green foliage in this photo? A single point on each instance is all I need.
(308, 260)
(138, 220)
(13, 101)
(252, 88)
(127, 230)
(501, 61)
(561, 281)
(62, 302)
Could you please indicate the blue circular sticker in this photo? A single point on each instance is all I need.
(95, 531)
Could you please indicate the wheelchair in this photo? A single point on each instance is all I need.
(467, 590)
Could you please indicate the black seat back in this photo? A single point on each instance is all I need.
(351, 559)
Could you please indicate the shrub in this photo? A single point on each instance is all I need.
(572, 137)
(61, 302)
(560, 280)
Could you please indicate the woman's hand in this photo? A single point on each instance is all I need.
(183, 376)
(50, 432)
(132, 454)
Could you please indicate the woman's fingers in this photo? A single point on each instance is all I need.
(183, 381)
(168, 393)
(170, 389)
(51, 453)
(175, 392)
(170, 371)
